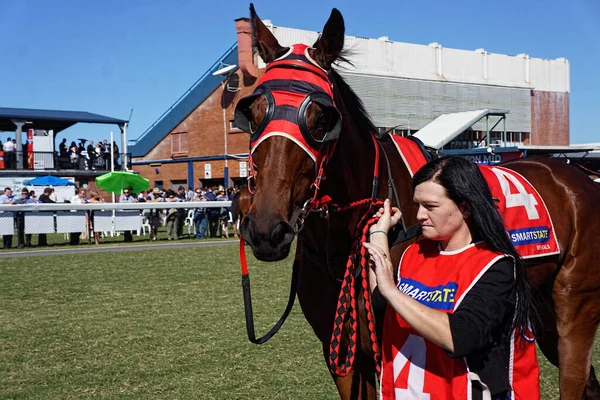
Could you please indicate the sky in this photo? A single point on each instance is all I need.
(113, 56)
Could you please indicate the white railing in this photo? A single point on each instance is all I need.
(112, 206)
(43, 218)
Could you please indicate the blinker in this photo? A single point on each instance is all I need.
(290, 86)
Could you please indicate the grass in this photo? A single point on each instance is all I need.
(59, 240)
(164, 324)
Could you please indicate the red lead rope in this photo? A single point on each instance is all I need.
(347, 309)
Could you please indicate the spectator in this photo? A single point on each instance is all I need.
(171, 217)
(32, 195)
(45, 198)
(181, 212)
(127, 197)
(79, 198)
(23, 239)
(62, 148)
(106, 153)
(115, 152)
(189, 195)
(94, 198)
(53, 196)
(74, 155)
(223, 215)
(91, 155)
(212, 213)
(154, 216)
(200, 221)
(9, 154)
(7, 198)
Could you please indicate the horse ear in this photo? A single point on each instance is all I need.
(265, 42)
(331, 42)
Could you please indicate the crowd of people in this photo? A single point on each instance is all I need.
(74, 156)
(90, 157)
(208, 221)
(27, 197)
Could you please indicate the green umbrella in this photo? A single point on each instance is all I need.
(115, 182)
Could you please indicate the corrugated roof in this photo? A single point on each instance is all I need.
(446, 127)
(50, 119)
(187, 103)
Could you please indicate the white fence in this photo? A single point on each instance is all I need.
(72, 218)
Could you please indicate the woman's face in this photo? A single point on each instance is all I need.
(438, 215)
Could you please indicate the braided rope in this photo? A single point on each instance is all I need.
(346, 308)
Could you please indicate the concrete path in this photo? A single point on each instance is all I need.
(116, 248)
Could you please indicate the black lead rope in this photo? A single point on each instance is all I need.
(248, 301)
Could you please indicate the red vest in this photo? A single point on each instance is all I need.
(415, 368)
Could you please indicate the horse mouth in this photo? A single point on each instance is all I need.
(268, 253)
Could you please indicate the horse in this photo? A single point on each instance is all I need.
(240, 207)
(287, 175)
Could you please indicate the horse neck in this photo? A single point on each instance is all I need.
(350, 170)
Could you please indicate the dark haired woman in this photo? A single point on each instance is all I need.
(456, 323)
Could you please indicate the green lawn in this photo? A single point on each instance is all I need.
(165, 324)
(61, 240)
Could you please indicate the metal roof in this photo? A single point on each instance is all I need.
(446, 127)
(56, 120)
(187, 103)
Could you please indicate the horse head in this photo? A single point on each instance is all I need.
(294, 124)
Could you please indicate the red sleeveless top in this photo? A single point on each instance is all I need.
(415, 368)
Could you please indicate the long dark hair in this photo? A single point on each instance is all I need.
(464, 184)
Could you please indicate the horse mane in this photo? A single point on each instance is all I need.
(351, 103)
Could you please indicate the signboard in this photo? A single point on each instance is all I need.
(207, 171)
(491, 158)
(243, 169)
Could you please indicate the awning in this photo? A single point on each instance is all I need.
(446, 127)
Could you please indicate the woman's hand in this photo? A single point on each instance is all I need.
(382, 267)
(388, 218)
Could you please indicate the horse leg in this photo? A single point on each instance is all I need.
(577, 324)
(592, 391)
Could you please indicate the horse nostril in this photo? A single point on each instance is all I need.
(282, 234)
(247, 229)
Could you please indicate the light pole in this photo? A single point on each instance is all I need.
(225, 70)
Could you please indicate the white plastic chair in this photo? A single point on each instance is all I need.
(189, 222)
(145, 225)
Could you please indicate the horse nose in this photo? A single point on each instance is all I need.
(269, 243)
(248, 229)
(282, 234)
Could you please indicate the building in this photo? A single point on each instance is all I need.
(404, 87)
(39, 155)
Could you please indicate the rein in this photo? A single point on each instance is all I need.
(248, 298)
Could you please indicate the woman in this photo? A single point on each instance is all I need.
(460, 296)
(94, 198)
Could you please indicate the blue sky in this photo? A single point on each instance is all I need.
(110, 56)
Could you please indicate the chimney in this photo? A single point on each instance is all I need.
(245, 55)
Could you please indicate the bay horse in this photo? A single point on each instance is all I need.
(240, 206)
(287, 176)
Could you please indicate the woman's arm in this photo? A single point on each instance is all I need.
(388, 218)
(429, 323)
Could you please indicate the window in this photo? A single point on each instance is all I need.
(159, 184)
(178, 182)
(179, 143)
(233, 128)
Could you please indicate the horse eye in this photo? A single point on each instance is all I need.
(328, 118)
(256, 112)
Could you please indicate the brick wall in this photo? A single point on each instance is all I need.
(549, 118)
(204, 127)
